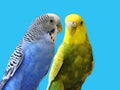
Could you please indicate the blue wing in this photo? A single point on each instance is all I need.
(13, 64)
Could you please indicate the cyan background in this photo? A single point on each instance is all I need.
(102, 19)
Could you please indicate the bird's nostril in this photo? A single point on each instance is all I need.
(73, 23)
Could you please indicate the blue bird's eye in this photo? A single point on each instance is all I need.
(51, 21)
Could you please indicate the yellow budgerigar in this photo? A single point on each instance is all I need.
(73, 61)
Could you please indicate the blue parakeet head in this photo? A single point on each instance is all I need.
(46, 26)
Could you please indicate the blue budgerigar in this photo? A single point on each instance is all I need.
(30, 61)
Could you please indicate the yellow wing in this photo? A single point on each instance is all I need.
(57, 63)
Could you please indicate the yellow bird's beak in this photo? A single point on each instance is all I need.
(71, 25)
(71, 28)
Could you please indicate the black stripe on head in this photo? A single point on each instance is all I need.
(47, 16)
(43, 18)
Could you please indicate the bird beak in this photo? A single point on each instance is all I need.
(71, 28)
(71, 25)
(59, 27)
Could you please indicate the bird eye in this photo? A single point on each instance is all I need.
(51, 21)
(81, 23)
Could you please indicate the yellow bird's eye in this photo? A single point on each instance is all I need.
(81, 23)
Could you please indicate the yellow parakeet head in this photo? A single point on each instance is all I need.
(75, 32)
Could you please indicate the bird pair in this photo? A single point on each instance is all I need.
(31, 59)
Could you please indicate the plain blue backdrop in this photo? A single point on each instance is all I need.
(102, 19)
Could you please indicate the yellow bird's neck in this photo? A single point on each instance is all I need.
(78, 37)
